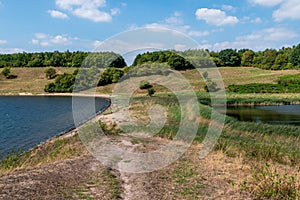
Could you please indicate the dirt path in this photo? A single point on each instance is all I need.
(79, 178)
(214, 177)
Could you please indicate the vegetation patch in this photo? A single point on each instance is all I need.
(267, 183)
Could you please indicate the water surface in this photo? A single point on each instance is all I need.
(280, 115)
(28, 121)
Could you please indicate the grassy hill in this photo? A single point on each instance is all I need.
(33, 80)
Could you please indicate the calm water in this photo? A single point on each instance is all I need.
(28, 121)
(283, 115)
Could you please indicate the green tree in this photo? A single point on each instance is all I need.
(110, 75)
(247, 58)
(50, 73)
(230, 57)
(294, 57)
(268, 59)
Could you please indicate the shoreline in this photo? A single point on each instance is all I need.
(68, 133)
(72, 131)
(55, 94)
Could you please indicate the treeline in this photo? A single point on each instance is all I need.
(62, 59)
(270, 59)
(172, 58)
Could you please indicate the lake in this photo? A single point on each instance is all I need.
(28, 121)
(279, 115)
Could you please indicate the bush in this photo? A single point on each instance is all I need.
(110, 75)
(6, 71)
(11, 76)
(151, 92)
(145, 85)
(50, 73)
(289, 79)
(62, 83)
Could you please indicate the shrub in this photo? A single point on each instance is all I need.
(62, 83)
(6, 71)
(151, 92)
(50, 73)
(145, 85)
(264, 88)
(110, 75)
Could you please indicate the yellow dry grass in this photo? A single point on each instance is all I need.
(29, 80)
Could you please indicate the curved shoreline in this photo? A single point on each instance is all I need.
(55, 94)
(71, 132)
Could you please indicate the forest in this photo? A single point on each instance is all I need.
(114, 66)
(62, 59)
(270, 59)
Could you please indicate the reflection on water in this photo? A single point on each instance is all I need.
(283, 115)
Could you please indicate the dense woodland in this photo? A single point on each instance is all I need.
(271, 59)
(62, 59)
(115, 66)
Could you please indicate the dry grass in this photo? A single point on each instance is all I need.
(238, 75)
(29, 80)
(32, 80)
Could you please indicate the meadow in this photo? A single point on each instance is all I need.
(250, 160)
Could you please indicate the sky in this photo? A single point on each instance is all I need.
(39, 25)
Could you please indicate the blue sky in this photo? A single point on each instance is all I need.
(37, 25)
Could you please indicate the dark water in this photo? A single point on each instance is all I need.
(281, 115)
(28, 121)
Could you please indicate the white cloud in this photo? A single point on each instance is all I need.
(257, 20)
(40, 35)
(11, 50)
(175, 22)
(259, 40)
(3, 41)
(289, 9)
(215, 17)
(115, 11)
(60, 39)
(57, 14)
(48, 40)
(228, 8)
(44, 44)
(174, 19)
(198, 33)
(34, 41)
(87, 9)
(276, 34)
(266, 2)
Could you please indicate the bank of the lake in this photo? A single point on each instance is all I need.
(29, 120)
